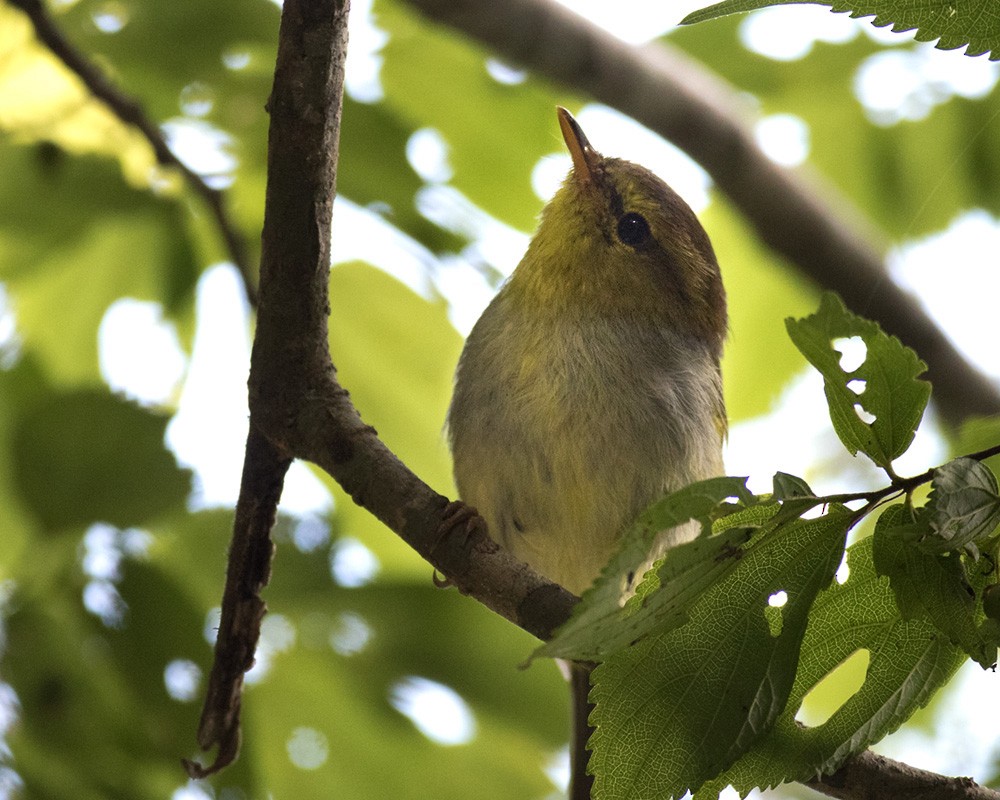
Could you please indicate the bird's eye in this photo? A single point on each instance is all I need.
(633, 229)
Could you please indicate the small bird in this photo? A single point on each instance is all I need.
(590, 386)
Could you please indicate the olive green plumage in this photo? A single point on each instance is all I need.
(590, 385)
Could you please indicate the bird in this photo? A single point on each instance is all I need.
(591, 385)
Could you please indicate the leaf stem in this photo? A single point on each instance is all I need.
(901, 485)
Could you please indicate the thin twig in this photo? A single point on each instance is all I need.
(130, 111)
(248, 572)
(900, 485)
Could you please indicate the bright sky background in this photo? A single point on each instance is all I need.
(141, 356)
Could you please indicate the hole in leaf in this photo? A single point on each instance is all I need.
(834, 690)
(853, 352)
(773, 612)
(864, 415)
(857, 386)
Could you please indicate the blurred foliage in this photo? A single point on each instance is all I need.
(86, 218)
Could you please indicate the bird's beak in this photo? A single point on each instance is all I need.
(584, 156)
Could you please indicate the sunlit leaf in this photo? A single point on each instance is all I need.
(598, 619)
(884, 386)
(909, 661)
(714, 686)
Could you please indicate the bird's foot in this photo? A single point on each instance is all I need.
(458, 518)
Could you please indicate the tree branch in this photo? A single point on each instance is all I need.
(297, 408)
(678, 98)
(130, 111)
(247, 573)
(875, 777)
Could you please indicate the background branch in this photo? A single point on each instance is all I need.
(130, 111)
(798, 216)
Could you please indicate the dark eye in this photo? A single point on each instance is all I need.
(633, 229)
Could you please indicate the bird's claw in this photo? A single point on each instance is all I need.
(458, 518)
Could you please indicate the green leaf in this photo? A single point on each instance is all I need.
(88, 456)
(964, 506)
(788, 486)
(712, 687)
(98, 720)
(599, 617)
(929, 586)
(887, 380)
(975, 23)
(909, 661)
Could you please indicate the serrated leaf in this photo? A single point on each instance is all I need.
(929, 586)
(697, 501)
(909, 661)
(661, 602)
(964, 506)
(597, 617)
(891, 393)
(975, 23)
(710, 688)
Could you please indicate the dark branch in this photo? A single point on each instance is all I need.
(291, 331)
(297, 408)
(294, 395)
(697, 111)
(876, 777)
(130, 111)
(248, 572)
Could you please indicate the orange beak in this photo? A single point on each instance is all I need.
(584, 156)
